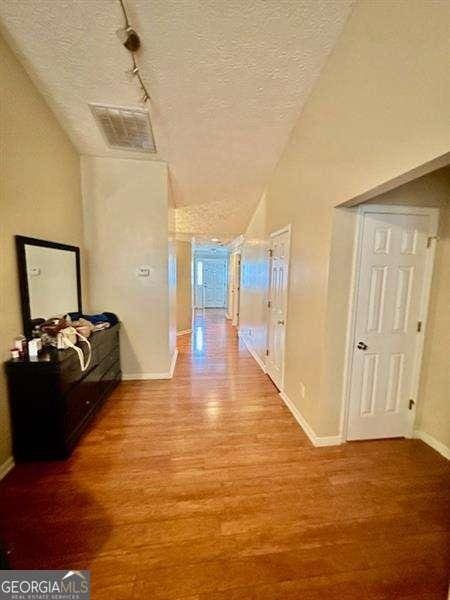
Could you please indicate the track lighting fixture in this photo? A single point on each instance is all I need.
(130, 39)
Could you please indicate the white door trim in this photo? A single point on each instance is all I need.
(364, 209)
(286, 229)
(235, 285)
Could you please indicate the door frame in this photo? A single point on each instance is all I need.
(236, 259)
(286, 229)
(364, 209)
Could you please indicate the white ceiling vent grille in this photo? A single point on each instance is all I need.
(125, 128)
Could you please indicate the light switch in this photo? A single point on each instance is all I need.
(143, 271)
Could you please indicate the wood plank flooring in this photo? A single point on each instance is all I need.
(205, 488)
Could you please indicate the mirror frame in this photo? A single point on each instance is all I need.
(21, 242)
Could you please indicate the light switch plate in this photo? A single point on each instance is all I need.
(144, 271)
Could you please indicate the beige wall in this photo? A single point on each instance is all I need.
(254, 282)
(126, 225)
(381, 107)
(433, 416)
(336, 318)
(39, 195)
(184, 288)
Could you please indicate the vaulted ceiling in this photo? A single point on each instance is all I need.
(228, 79)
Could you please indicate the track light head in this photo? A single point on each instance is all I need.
(129, 38)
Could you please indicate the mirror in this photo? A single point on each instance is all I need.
(49, 276)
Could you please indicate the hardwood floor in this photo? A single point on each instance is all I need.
(204, 487)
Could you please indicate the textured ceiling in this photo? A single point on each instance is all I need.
(227, 78)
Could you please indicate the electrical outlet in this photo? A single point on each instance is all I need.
(302, 387)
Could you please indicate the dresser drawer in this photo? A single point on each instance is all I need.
(107, 362)
(104, 344)
(80, 401)
(110, 378)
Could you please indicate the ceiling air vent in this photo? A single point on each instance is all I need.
(125, 128)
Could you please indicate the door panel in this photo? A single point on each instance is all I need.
(390, 286)
(279, 268)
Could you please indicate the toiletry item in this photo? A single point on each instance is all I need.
(59, 341)
(15, 354)
(33, 349)
(20, 343)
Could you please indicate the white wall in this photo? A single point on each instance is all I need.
(126, 225)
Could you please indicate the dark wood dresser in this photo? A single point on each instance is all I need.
(52, 400)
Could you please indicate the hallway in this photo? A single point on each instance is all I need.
(204, 487)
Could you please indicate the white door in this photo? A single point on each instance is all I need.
(235, 288)
(279, 269)
(215, 282)
(391, 286)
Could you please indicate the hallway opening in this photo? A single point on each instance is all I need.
(209, 276)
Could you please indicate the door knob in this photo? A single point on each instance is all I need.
(280, 322)
(362, 346)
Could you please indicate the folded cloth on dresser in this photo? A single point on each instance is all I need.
(105, 317)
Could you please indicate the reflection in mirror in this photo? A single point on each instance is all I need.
(49, 279)
(52, 281)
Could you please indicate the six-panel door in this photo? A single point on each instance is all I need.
(390, 283)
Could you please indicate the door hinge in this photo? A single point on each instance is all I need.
(419, 326)
(270, 252)
(269, 304)
(411, 403)
(267, 351)
(430, 239)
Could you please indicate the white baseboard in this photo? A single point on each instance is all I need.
(6, 467)
(139, 376)
(253, 352)
(316, 440)
(184, 332)
(167, 375)
(173, 362)
(433, 442)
